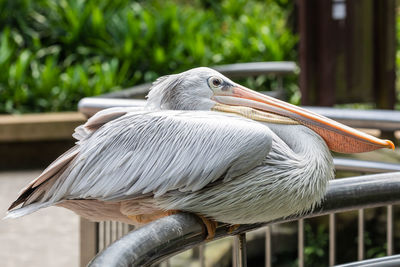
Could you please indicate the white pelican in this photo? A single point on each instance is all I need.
(205, 145)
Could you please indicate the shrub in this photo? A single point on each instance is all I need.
(53, 53)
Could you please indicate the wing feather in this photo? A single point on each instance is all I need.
(125, 154)
(57, 167)
(145, 152)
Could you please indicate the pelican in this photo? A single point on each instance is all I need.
(205, 145)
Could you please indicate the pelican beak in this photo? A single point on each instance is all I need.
(339, 137)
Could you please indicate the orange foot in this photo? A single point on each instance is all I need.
(146, 218)
(233, 228)
(210, 225)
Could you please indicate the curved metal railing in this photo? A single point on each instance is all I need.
(165, 237)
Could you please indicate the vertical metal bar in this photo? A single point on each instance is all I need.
(389, 233)
(113, 228)
(300, 240)
(101, 236)
(105, 244)
(119, 228)
(332, 239)
(268, 255)
(126, 228)
(107, 233)
(241, 253)
(202, 250)
(361, 234)
(88, 241)
(235, 249)
(110, 232)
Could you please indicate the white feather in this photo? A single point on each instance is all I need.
(153, 152)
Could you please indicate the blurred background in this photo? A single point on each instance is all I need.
(55, 52)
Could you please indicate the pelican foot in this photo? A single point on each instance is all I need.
(233, 228)
(146, 218)
(211, 227)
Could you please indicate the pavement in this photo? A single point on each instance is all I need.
(49, 237)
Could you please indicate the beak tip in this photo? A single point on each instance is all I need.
(389, 144)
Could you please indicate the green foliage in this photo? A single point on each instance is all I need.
(316, 245)
(54, 52)
(372, 249)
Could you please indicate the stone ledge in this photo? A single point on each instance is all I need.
(39, 127)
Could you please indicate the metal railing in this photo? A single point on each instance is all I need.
(158, 240)
(388, 120)
(107, 232)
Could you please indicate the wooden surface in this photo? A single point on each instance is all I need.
(35, 140)
(37, 127)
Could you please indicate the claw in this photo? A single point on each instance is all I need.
(211, 227)
(233, 228)
(146, 218)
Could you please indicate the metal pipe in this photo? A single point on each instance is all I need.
(389, 233)
(389, 261)
(268, 248)
(388, 120)
(241, 253)
(300, 246)
(202, 258)
(158, 240)
(332, 239)
(240, 70)
(234, 251)
(344, 164)
(360, 234)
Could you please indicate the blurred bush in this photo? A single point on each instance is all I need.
(54, 52)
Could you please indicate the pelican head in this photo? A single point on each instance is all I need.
(206, 89)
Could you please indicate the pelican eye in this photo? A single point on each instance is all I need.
(215, 82)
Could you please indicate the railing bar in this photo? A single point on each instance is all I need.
(332, 239)
(342, 195)
(101, 236)
(113, 231)
(389, 230)
(123, 229)
(241, 253)
(300, 244)
(119, 233)
(235, 245)
(108, 233)
(202, 258)
(126, 228)
(116, 229)
(361, 230)
(105, 234)
(268, 256)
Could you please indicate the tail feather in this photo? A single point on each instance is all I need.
(26, 210)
